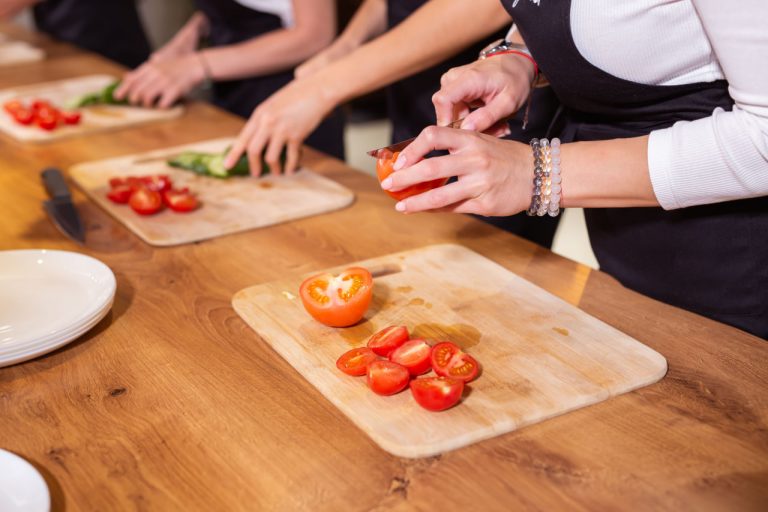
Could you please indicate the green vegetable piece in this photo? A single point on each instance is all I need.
(212, 164)
(106, 96)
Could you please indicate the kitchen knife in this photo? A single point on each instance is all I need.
(60, 208)
(399, 146)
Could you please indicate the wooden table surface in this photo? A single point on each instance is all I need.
(173, 403)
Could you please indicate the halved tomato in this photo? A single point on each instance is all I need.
(70, 117)
(180, 200)
(384, 168)
(157, 182)
(338, 301)
(414, 355)
(23, 116)
(145, 201)
(120, 194)
(437, 393)
(47, 122)
(13, 106)
(387, 378)
(388, 339)
(355, 362)
(117, 182)
(449, 361)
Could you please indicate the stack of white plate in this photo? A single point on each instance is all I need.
(49, 298)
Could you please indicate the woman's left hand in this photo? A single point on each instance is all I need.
(495, 176)
(162, 82)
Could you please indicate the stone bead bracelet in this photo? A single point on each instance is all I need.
(547, 189)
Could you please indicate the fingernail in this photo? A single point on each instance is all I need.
(227, 163)
(399, 163)
(386, 184)
(400, 206)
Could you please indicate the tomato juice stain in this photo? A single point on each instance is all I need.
(561, 330)
(266, 184)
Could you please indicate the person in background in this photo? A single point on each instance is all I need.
(407, 49)
(253, 46)
(111, 28)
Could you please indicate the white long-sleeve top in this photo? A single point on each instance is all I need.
(669, 42)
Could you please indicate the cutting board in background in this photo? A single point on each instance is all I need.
(228, 206)
(18, 52)
(540, 356)
(96, 118)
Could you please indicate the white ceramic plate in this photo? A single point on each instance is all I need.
(22, 489)
(48, 298)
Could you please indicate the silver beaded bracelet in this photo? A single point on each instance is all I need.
(547, 189)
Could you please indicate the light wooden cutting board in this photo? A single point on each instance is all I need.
(19, 52)
(540, 356)
(94, 119)
(228, 206)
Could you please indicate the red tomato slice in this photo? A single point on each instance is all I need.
(23, 116)
(120, 194)
(414, 355)
(145, 201)
(338, 301)
(159, 182)
(437, 393)
(12, 106)
(388, 339)
(70, 117)
(355, 362)
(181, 201)
(38, 105)
(47, 123)
(384, 168)
(449, 361)
(117, 182)
(387, 378)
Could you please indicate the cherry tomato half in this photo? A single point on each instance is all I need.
(181, 201)
(414, 355)
(120, 194)
(449, 361)
(355, 362)
(23, 116)
(384, 168)
(145, 201)
(70, 117)
(157, 182)
(387, 378)
(338, 301)
(12, 106)
(47, 123)
(437, 393)
(388, 339)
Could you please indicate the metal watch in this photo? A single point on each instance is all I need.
(504, 46)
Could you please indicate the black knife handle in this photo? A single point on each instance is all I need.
(54, 183)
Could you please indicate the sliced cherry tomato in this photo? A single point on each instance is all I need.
(12, 106)
(145, 201)
(23, 116)
(338, 301)
(388, 339)
(158, 182)
(437, 393)
(181, 201)
(384, 168)
(47, 123)
(387, 378)
(355, 362)
(70, 117)
(449, 361)
(38, 105)
(117, 182)
(414, 355)
(120, 194)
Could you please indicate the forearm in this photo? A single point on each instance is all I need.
(606, 174)
(369, 21)
(416, 44)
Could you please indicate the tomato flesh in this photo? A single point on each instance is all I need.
(23, 116)
(355, 362)
(384, 168)
(145, 201)
(388, 339)
(71, 117)
(437, 393)
(415, 355)
(387, 378)
(158, 182)
(181, 201)
(448, 360)
(120, 194)
(338, 301)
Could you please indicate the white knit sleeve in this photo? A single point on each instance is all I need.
(725, 156)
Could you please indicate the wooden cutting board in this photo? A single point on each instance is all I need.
(19, 52)
(540, 356)
(228, 206)
(94, 119)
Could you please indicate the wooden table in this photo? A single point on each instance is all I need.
(172, 403)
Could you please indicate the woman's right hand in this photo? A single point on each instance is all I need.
(285, 119)
(497, 87)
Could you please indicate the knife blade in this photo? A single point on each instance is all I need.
(60, 207)
(399, 146)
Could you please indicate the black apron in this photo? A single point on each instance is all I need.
(709, 259)
(410, 108)
(111, 28)
(232, 23)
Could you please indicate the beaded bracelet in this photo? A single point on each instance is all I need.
(547, 189)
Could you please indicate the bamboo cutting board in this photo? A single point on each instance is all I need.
(540, 356)
(94, 119)
(228, 206)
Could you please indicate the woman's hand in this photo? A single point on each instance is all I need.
(186, 40)
(164, 81)
(285, 119)
(495, 176)
(498, 85)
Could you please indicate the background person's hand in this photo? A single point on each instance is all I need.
(495, 176)
(497, 87)
(163, 82)
(186, 40)
(285, 119)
